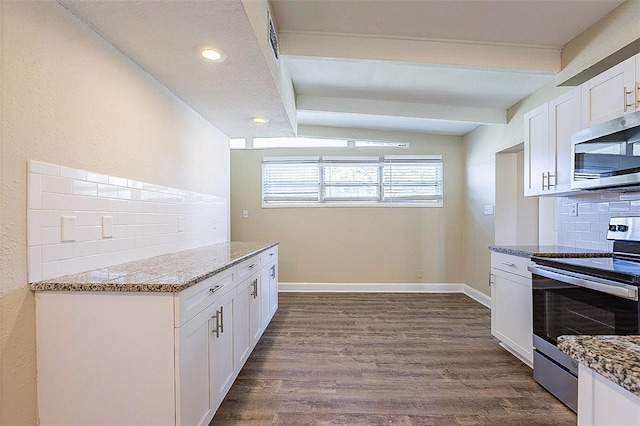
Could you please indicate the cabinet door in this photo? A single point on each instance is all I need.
(564, 119)
(194, 393)
(511, 312)
(609, 95)
(255, 318)
(536, 150)
(222, 363)
(241, 333)
(273, 288)
(265, 306)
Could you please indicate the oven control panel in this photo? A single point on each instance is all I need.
(624, 229)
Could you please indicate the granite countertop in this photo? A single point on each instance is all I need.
(171, 272)
(615, 357)
(548, 251)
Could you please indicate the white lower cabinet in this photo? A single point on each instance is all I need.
(194, 368)
(511, 304)
(273, 288)
(602, 402)
(117, 358)
(224, 369)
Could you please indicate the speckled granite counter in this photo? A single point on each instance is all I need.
(172, 272)
(615, 357)
(548, 251)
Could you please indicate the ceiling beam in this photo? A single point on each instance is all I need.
(445, 52)
(402, 109)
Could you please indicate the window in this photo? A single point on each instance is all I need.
(300, 142)
(402, 180)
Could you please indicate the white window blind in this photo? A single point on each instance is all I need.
(290, 180)
(351, 179)
(403, 180)
(412, 179)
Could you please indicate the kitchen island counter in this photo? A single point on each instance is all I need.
(171, 272)
(548, 251)
(615, 357)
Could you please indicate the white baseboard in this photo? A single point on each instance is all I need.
(478, 296)
(474, 294)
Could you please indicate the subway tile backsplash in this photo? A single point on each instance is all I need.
(589, 228)
(148, 220)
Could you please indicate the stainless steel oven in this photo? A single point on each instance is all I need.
(589, 296)
(607, 155)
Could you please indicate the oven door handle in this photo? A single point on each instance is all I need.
(604, 286)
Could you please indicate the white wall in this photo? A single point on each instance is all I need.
(70, 98)
(362, 244)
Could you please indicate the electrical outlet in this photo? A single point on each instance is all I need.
(180, 224)
(215, 223)
(574, 209)
(68, 228)
(488, 210)
(245, 214)
(107, 226)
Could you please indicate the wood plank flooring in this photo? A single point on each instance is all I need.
(385, 359)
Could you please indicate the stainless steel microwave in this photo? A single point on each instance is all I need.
(607, 155)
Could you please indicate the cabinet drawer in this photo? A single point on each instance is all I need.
(248, 267)
(269, 256)
(509, 263)
(194, 299)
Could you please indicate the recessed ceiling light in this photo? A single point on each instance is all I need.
(213, 55)
(260, 120)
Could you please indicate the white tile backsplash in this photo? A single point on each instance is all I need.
(145, 220)
(594, 210)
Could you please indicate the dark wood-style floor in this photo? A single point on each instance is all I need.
(385, 359)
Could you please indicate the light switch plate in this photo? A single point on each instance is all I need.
(107, 226)
(68, 228)
(245, 214)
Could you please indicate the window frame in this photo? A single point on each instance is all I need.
(381, 162)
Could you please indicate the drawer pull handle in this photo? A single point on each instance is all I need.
(221, 319)
(508, 264)
(272, 254)
(253, 265)
(215, 288)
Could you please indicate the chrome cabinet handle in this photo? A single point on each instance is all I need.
(219, 328)
(549, 176)
(273, 271)
(626, 105)
(215, 288)
(543, 178)
(273, 254)
(253, 265)
(216, 329)
(254, 284)
(637, 95)
(508, 264)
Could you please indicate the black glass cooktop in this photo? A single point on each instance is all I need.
(615, 268)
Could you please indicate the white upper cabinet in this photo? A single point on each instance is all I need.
(536, 150)
(611, 94)
(564, 119)
(547, 144)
